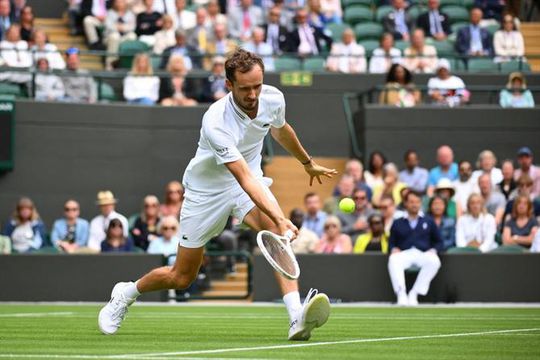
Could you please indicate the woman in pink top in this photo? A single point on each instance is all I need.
(333, 241)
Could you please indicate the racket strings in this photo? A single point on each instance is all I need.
(279, 253)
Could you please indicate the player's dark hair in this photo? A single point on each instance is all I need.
(243, 61)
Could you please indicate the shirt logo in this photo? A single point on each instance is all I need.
(184, 237)
(266, 125)
(222, 151)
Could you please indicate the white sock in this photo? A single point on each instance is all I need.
(292, 302)
(131, 290)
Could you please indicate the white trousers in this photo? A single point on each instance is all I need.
(427, 261)
(91, 24)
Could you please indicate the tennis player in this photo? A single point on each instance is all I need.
(225, 178)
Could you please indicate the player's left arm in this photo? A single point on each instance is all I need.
(286, 137)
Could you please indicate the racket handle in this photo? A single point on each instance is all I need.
(289, 234)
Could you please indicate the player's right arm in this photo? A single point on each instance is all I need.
(255, 191)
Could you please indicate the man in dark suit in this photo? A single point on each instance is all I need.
(434, 23)
(305, 39)
(192, 58)
(473, 40)
(414, 240)
(398, 22)
(275, 34)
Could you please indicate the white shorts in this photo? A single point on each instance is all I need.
(204, 215)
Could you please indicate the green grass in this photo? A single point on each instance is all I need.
(64, 332)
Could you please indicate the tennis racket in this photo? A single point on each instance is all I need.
(278, 252)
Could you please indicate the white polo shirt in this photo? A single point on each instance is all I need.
(227, 135)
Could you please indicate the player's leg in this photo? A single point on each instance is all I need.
(429, 264)
(303, 317)
(178, 276)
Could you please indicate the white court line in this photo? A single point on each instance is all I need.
(354, 341)
(169, 355)
(65, 313)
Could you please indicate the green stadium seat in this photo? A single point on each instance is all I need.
(515, 65)
(509, 249)
(367, 31)
(357, 13)
(493, 28)
(315, 64)
(456, 13)
(444, 48)
(463, 250)
(11, 89)
(336, 30)
(106, 92)
(369, 46)
(451, 2)
(382, 11)
(477, 65)
(468, 4)
(128, 49)
(401, 45)
(458, 25)
(415, 11)
(347, 3)
(287, 64)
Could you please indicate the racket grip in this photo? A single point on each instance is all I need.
(289, 234)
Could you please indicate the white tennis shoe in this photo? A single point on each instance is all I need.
(314, 314)
(111, 315)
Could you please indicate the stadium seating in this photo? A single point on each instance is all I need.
(463, 250)
(456, 14)
(451, 2)
(106, 92)
(401, 45)
(370, 30)
(355, 14)
(12, 89)
(382, 11)
(515, 65)
(415, 11)
(347, 3)
(336, 30)
(314, 64)
(444, 48)
(287, 64)
(128, 49)
(476, 65)
(509, 249)
(369, 46)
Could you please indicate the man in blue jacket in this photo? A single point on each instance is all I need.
(414, 240)
(473, 40)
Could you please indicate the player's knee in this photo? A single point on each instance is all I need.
(183, 281)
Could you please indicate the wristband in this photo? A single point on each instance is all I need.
(308, 161)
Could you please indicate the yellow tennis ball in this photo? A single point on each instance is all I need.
(347, 205)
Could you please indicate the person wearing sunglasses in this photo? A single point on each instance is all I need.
(145, 229)
(70, 233)
(333, 241)
(115, 240)
(375, 239)
(174, 198)
(167, 243)
(356, 223)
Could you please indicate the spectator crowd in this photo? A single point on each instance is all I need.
(413, 39)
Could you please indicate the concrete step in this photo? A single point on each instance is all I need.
(237, 276)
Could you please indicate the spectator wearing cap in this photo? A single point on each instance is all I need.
(385, 55)
(398, 22)
(437, 211)
(414, 240)
(446, 168)
(140, 85)
(78, 84)
(347, 56)
(70, 233)
(44, 49)
(165, 37)
(435, 23)
(477, 227)
(115, 238)
(167, 243)
(119, 26)
(48, 86)
(486, 164)
(526, 166)
(306, 241)
(447, 89)
(356, 222)
(508, 41)
(464, 186)
(333, 241)
(516, 94)
(494, 201)
(258, 46)
(375, 239)
(414, 176)
(474, 40)
(214, 87)
(100, 224)
(445, 189)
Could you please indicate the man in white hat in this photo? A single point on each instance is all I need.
(445, 88)
(98, 226)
